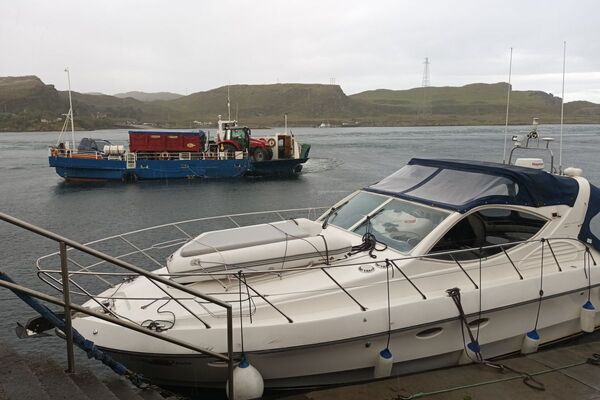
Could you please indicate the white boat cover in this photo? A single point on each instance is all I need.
(286, 244)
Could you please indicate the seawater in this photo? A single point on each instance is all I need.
(342, 160)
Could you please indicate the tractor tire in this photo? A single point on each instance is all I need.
(259, 154)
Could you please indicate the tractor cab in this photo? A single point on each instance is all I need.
(232, 138)
(238, 136)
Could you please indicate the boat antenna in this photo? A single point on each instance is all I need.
(507, 105)
(285, 122)
(562, 109)
(70, 114)
(228, 105)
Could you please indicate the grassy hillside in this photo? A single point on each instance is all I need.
(477, 103)
(26, 103)
(264, 104)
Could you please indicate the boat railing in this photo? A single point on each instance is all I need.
(184, 156)
(63, 152)
(66, 245)
(149, 248)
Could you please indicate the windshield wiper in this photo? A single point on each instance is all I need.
(333, 210)
(368, 218)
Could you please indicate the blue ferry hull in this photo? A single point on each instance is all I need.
(103, 169)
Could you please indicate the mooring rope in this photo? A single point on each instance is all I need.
(527, 377)
(541, 292)
(389, 312)
(369, 242)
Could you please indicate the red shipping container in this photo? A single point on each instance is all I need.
(155, 142)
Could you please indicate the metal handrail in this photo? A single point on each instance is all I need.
(64, 242)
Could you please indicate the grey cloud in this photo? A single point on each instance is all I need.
(187, 46)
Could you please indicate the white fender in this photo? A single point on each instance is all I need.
(247, 382)
(383, 364)
(588, 317)
(470, 353)
(531, 342)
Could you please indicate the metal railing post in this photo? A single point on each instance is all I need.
(64, 269)
(230, 352)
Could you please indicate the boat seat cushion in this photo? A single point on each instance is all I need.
(254, 235)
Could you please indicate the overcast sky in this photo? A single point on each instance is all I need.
(190, 46)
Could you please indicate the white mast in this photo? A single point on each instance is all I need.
(70, 114)
(507, 105)
(285, 122)
(228, 105)
(562, 108)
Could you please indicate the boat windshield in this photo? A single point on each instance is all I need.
(399, 224)
(358, 207)
(402, 225)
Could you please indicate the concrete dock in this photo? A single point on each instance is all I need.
(564, 372)
(38, 377)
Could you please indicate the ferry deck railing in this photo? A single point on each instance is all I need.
(164, 155)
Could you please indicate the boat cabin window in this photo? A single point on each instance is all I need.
(460, 187)
(486, 228)
(402, 225)
(406, 178)
(358, 207)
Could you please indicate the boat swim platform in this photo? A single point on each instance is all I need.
(563, 369)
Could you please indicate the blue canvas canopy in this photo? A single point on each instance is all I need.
(590, 229)
(462, 185)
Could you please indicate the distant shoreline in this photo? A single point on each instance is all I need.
(305, 127)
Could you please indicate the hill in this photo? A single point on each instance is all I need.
(147, 97)
(305, 105)
(26, 103)
(478, 103)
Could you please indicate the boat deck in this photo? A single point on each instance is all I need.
(563, 370)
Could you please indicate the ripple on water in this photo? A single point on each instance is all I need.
(314, 165)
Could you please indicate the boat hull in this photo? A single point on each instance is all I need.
(352, 360)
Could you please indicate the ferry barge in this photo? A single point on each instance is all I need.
(181, 154)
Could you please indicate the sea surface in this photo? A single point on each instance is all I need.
(342, 160)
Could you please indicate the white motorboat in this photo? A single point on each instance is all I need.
(442, 263)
